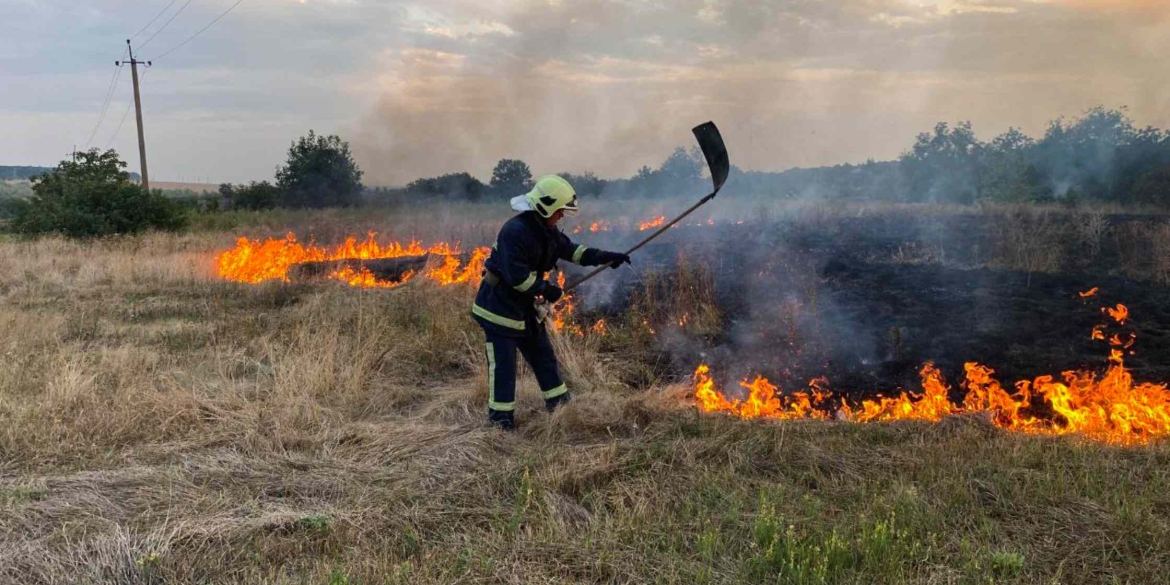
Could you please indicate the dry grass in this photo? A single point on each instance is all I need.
(1159, 237)
(159, 426)
(1030, 240)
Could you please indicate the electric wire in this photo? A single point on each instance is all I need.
(105, 103)
(160, 13)
(165, 24)
(200, 31)
(125, 114)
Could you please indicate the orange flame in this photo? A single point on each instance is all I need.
(365, 279)
(651, 224)
(600, 328)
(594, 227)
(1119, 314)
(563, 311)
(1111, 408)
(253, 261)
(1089, 293)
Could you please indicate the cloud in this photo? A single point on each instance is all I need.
(423, 88)
(609, 86)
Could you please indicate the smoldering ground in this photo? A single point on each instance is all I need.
(864, 299)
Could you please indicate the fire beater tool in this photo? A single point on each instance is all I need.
(711, 143)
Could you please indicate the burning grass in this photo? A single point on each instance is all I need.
(161, 424)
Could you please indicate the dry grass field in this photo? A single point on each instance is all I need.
(158, 425)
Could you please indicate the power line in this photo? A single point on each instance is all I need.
(123, 121)
(105, 104)
(160, 13)
(125, 114)
(165, 24)
(200, 31)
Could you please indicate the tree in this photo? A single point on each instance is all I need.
(511, 177)
(92, 196)
(944, 166)
(587, 184)
(1083, 154)
(320, 172)
(682, 167)
(1008, 173)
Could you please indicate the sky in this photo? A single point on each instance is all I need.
(425, 88)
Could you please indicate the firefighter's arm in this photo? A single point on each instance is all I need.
(585, 256)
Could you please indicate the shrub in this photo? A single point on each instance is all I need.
(253, 197)
(92, 196)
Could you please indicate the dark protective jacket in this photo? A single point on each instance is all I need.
(526, 250)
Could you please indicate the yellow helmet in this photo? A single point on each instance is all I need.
(551, 194)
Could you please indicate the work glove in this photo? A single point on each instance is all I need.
(614, 259)
(551, 292)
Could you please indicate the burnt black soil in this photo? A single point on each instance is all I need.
(844, 303)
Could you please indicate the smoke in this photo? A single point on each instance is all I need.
(608, 87)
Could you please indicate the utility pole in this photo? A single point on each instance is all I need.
(134, 63)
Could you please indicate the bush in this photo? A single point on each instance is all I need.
(253, 196)
(92, 196)
(460, 186)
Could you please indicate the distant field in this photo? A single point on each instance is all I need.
(161, 425)
(174, 186)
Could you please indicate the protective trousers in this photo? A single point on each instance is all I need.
(538, 352)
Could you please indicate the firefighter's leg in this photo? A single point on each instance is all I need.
(538, 352)
(501, 356)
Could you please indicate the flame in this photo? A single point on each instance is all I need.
(1119, 314)
(651, 224)
(600, 328)
(451, 272)
(563, 311)
(1089, 293)
(594, 227)
(763, 399)
(253, 261)
(365, 279)
(1111, 408)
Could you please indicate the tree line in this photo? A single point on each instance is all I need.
(1099, 157)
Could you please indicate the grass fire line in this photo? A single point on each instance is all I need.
(1111, 407)
(274, 259)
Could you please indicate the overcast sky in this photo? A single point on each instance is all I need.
(423, 88)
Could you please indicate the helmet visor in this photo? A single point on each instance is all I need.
(571, 207)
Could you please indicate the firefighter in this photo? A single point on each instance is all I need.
(527, 248)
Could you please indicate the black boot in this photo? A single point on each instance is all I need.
(502, 419)
(554, 403)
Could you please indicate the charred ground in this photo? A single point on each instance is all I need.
(867, 300)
